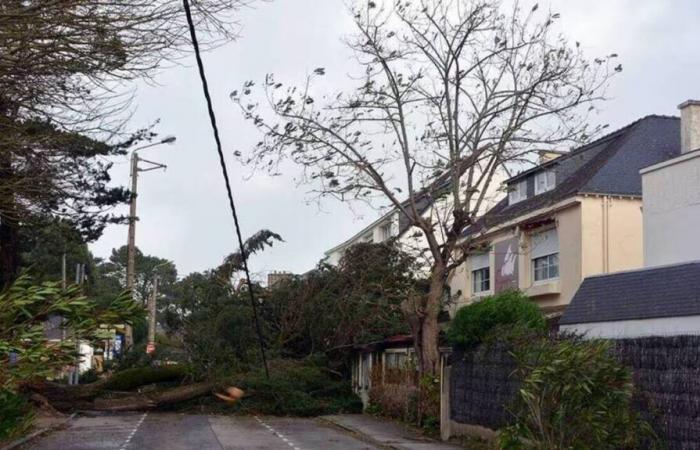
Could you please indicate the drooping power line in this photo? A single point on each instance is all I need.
(222, 161)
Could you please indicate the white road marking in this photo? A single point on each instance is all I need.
(277, 433)
(133, 432)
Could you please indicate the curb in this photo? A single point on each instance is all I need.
(31, 436)
(364, 437)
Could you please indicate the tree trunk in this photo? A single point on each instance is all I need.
(9, 227)
(430, 330)
(68, 398)
(422, 315)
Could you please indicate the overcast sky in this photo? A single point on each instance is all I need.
(183, 212)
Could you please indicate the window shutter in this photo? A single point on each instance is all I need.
(480, 261)
(544, 243)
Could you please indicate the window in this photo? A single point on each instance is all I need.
(481, 280)
(385, 232)
(517, 192)
(546, 267)
(544, 181)
(545, 255)
(481, 273)
(396, 360)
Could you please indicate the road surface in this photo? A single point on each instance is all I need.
(158, 431)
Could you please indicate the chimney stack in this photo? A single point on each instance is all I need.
(690, 125)
(548, 155)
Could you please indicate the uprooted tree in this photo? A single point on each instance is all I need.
(451, 92)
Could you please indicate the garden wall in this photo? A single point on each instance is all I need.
(666, 370)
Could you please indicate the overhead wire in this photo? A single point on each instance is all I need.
(222, 161)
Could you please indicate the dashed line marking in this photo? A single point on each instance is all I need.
(133, 432)
(277, 433)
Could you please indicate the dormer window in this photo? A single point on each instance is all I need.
(544, 181)
(517, 193)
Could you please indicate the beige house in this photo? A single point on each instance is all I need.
(663, 297)
(574, 215)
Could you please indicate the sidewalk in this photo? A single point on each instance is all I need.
(386, 433)
(43, 424)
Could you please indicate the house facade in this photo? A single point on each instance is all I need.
(572, 216)
(663, 297)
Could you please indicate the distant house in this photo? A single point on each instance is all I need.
(395, 225)
(572, 216)
(275, 277)
(663, 298)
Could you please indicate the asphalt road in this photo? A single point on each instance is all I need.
(177, 431)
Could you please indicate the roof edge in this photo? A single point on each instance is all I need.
(644, 269)
(670, 162)
(584, 147)
(658, 316)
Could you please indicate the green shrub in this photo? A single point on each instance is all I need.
(138, 376)
(510, 308)
(574, 395)
(89, 376)
(296, 388)
(15, 414)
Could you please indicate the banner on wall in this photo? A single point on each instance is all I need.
(506, 276)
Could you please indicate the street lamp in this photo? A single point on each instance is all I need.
(131, 241)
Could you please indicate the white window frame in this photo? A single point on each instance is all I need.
(519, 193)
(547, 250)
(385, 230)
(481, 263)
(551, 261)
(549, 178)
(482, 280)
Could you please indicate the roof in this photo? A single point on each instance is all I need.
(650, 293)
(610, 165)
(399, 340)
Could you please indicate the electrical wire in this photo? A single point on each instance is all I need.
(222, 161)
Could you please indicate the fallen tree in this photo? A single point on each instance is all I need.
(123, 391)
(95, 396)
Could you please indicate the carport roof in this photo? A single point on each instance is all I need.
(649, 293)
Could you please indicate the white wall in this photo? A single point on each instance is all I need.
(671, 206)
(667, 326)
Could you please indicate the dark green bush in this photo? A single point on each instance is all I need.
(574, 395)
(15, 414)
(510, 308)
(296, 388)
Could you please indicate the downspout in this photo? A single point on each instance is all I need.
(605, 222)
(608, 202)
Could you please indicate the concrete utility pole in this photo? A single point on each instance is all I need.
(131, 241)
(151, 346)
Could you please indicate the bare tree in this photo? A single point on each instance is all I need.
(452, 91)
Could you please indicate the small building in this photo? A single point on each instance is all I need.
(663, 298)
(377, 359)
(275, 277)
(572, 216)
(655, 301)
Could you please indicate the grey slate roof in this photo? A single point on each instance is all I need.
(655, 292)
(609, 165)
